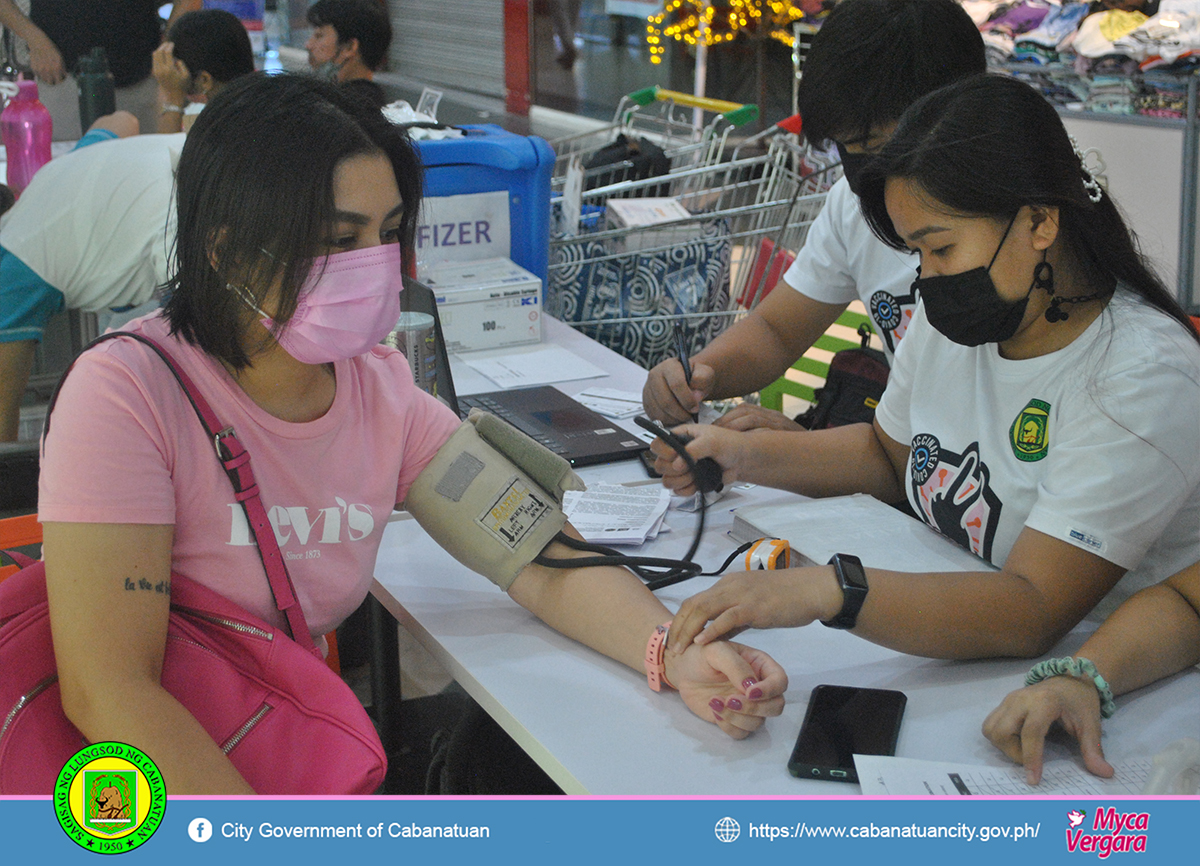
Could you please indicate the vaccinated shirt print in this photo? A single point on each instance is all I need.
(892, 316)
(951, 493)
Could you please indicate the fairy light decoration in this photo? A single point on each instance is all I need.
(695, 22)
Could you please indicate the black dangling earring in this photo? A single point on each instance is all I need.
(1043, 278)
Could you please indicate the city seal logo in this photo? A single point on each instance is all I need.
(109, 798)
(1030, 432)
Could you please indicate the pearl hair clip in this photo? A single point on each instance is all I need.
(1095, 173)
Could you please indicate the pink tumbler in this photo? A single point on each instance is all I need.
(26, 127)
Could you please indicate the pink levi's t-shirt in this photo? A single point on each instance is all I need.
(125, 446)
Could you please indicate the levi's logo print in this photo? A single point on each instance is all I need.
(343, 521)
(952, 493)
(1030, 432)
(892, 316)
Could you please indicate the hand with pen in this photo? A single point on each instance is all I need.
(675, 388)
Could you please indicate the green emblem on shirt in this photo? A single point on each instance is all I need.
(1030, 432)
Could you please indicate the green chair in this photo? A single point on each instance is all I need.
(771, 397)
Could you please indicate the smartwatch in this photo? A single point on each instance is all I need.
(853, 581)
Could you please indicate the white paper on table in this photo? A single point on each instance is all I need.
(537, 365)
(660, 525)
(691, 504)
(611, 402)
(615, 514)
(879, 774)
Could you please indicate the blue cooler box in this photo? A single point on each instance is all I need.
(489, 160)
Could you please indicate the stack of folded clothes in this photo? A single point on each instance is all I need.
(1132, 59)
(1057, 30)
(1007, 23)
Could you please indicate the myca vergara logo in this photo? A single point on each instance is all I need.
(1111, 832)
(1030, 432)
(109, 798)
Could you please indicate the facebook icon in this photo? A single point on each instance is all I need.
(200, 829)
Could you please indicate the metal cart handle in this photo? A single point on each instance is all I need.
(733, 112)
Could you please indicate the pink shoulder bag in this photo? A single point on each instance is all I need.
(287, 722)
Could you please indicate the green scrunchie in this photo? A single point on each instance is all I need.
(1076, 667)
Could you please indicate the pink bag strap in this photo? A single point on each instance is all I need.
(20, 559)
(235, 459)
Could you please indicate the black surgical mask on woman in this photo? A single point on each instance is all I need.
(966, 308)
(852, 166)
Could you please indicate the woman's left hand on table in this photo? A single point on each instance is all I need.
(735, 686)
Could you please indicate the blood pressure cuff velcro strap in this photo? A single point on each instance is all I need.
(492, 497)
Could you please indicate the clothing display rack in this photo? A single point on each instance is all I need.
(1188, 130)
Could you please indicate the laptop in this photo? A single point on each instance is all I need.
(544, 413)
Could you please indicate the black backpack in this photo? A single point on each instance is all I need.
(644, 157)
(852, 388)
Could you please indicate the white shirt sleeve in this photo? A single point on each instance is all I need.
(1124, 462)
(822, 268)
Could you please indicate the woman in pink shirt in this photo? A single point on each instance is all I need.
(292, 198)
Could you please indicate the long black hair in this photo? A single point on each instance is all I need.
(254, 190)
(989, 145)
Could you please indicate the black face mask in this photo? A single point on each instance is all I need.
(852, 166)
(966, 308)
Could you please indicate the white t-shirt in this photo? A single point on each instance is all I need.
(1097, 444)
(841, 261)
(93, 223)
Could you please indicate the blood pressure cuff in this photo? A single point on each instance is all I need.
(492, 497)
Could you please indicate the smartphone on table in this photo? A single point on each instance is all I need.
(842, 721)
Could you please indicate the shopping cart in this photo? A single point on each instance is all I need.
(691, 130)
(805, 158)
(629, 287)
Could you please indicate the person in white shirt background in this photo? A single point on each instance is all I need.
(92, 230)
(870, 60)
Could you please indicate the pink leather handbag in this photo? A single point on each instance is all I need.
(287, 722)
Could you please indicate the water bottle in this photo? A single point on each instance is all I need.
(26, 128)
(97, 92)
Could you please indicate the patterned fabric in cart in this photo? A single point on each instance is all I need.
(595, 280)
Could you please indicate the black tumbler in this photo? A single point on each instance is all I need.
(97, 93)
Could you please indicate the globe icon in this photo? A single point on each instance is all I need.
(728, 829)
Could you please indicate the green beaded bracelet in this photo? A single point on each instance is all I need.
(1076, 667)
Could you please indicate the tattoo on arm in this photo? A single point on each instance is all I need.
(163, 586)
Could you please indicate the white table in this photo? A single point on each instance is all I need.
(594, 726)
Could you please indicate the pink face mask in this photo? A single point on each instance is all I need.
(345, 307)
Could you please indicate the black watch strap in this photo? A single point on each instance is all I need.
(853, 580)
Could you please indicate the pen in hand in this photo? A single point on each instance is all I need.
(681, 349)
